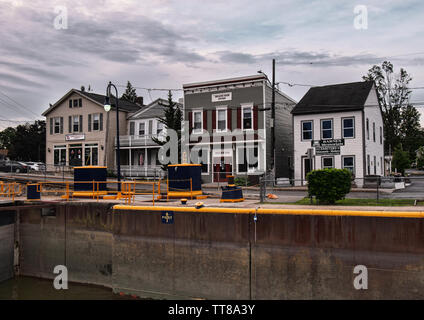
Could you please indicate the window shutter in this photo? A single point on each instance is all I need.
(80, 124)
(101, 121)
(132, 128)
(238, 118)
(205, 120)
(89, 122)
(229, 119)
(70, 103)
(190, 122)
(70, 124)
(51, 125)
(213, 119)
(80, 102)
(61, 125)
(255, 118)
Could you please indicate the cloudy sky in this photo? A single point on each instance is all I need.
(163, 44)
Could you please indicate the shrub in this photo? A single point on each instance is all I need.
(329, 185)
(240, 181)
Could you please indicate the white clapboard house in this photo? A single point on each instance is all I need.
(339, 126)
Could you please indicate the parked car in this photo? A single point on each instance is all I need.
(12, 166)
(36, 166)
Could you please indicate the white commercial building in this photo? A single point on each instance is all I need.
(342, 127)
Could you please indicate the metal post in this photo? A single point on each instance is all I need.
(378, 185)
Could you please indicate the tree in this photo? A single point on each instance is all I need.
(172, 119)
(25, 142)
(420, 158)
(400, 160)
(129, 93)
(401, 119)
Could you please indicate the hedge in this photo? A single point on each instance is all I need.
(329, 185)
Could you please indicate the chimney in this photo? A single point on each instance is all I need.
(139, 101)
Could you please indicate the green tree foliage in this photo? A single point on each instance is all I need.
(400, 160)
(401, 120)
(329, 185)
(129, 93)
(25, 142)
(172, 119)
(420, 158)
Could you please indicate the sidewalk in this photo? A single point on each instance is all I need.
(217, 186)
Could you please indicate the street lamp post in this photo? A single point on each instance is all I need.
(107, 107)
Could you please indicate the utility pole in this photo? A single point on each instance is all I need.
(273, 120)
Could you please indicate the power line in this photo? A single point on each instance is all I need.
(19, 105)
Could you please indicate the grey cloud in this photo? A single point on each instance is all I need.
(20, 80)
(294, 57)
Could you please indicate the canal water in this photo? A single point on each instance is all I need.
(29, 288)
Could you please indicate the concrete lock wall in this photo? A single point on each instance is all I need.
(7, 240)
(223, 254)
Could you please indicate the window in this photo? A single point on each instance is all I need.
(91, 154)
(56, 122)
(381, 135)
(375, 165)
(348, 127)
(307, 133)
(348, 162)
(368, 129)
(75, 103)
(373, 131)
(150, 127)
(247, 159)
(197, 121)
(75, 124)
(222, 119)
(247, 115)
(327, 129)
(59, 155)
(368, 164)
(96, 122)
(327, 162)
(141, 129)
(159, 127)
(381, 165)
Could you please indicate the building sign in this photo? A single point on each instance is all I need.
(167, 217)
(226, 96)
(327, 147)
(222, 153)
(74, 137)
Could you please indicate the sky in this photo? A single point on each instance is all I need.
(164, 44)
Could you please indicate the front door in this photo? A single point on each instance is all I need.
(306, 167)
(221, 170)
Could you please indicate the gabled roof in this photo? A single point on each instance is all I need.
(223, 81)
(124, 105)
(334, 98)
(152, 110)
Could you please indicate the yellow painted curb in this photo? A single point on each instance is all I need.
(360, 213)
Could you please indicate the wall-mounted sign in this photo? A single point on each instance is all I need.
(167, 217)
(327, 150)
(74, 137)
(222, 153)
(225, 96)
(327, 142)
